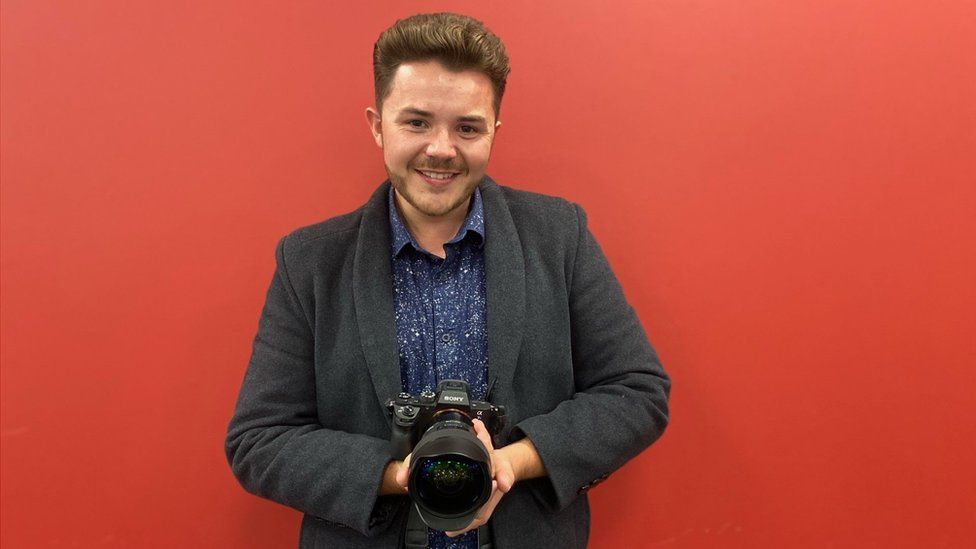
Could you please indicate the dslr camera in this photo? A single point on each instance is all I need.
(450, 469)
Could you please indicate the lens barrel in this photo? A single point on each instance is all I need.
(450, 475)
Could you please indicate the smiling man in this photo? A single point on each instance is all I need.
(443, 274)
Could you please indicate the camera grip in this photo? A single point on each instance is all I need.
(400, 442)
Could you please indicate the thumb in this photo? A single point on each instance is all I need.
(505, 475)
(403, 471)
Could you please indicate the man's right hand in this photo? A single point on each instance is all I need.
(395, 478)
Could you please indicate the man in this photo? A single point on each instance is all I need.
(443, 274)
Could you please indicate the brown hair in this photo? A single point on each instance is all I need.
(457, 41)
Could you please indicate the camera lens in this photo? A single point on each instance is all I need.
(450, 475)
(449, 483)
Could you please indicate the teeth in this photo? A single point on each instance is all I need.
(433, 175)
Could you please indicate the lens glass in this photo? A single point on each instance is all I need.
(450, 484)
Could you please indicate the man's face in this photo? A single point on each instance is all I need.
(436, 130)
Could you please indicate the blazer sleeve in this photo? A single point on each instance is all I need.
(275, 444)
(621, 401)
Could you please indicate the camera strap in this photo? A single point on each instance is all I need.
(415, 534)
(484, 537)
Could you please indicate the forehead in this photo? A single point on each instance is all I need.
(429, 86)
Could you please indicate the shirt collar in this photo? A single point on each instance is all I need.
(474, 222)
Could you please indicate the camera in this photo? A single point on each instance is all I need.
(450, 469)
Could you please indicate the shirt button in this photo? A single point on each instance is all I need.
(446, 338)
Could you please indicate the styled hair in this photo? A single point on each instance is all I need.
(457, 41)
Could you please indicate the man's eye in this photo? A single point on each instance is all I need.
(416, 123)
(468, 129)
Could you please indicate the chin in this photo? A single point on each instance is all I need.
(441, 208)
(436, 204)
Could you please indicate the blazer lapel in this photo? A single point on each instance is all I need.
(373, 295)
(505, 278)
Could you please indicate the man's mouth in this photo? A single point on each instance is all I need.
(436, 178)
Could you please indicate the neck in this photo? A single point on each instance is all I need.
(431, 232)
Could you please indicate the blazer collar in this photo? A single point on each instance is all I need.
(373, 293)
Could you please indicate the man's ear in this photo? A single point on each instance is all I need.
(375, 125)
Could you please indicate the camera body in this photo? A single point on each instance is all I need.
(414, 415)
(450, 469)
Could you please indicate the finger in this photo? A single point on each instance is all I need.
(484, 513)
(402, 472)
(482, 433)
(485, 438)
(505, 475)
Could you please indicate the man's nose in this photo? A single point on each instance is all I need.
(441, 145)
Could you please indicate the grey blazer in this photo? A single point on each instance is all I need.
(566, 353)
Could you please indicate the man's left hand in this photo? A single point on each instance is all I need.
(503, 478)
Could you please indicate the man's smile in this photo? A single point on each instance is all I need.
(437, 179)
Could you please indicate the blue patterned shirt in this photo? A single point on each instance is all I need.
(440, 317)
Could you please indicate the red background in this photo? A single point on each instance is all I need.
(785, 189)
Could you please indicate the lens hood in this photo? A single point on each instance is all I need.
(450, 476)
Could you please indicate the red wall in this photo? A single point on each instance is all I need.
(785, 189)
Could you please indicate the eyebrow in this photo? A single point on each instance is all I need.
(418, 112)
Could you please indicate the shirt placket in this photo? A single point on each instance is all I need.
(446, 317)
(424, 317)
